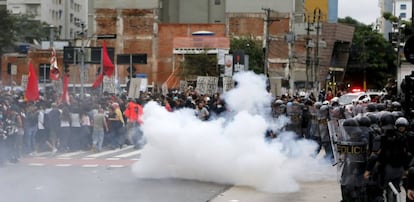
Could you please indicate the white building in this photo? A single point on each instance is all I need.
(65, 15)
(399, 8)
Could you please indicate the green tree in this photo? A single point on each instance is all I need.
(20, 28)
(370, 52)
(7, 27)
(28, 30)
(200, 65)
(251, 47)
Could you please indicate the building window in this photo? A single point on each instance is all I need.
(44, 70)
(403, 15)
(403, 6)
(32, 10)
(217, 2)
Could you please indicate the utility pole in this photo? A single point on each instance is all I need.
(267, 39)
(317, 19)
(82, 67)
(266, 53)
(308, 51)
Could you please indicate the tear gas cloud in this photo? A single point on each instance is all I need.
(230, 149)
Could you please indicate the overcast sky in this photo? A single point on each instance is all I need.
(365, 11)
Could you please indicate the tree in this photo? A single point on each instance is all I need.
(28, 30)
(371, 53)
(20, 28)
(200, 65)
(252, 48)
(7, 27)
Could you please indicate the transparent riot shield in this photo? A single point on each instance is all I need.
(333, 127)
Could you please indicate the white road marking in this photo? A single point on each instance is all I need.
(90, 165)
(108, 152)
(63, 158)
(129, 154)
(116, 166)
(63, 165)
(71, 154)
(112, 159)
(36, 164)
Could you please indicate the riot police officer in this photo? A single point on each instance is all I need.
(392, 157)
(278, 109)
(294, 111)
(352, 148)
(325, 139)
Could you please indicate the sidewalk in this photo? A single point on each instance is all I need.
(320, 191)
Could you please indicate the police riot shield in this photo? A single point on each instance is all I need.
(333, 127)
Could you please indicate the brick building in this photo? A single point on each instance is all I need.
(140, 28)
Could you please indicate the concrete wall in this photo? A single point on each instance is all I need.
(127, 4)
(249, 6)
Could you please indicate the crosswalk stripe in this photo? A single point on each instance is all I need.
(71, 154)
(63, 158)
(112, 159)
(63, 165)
(108, 152)
(36, 164)
(116, 166)
(90, 165)
(129, 154)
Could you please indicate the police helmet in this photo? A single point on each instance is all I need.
(371, 107)
(334, 100)
(387, 119)
(324, 107)
(317, 105)
(373, 118)
(326, 102)
(397, 114)
(350, 122)
(396, 105)
(401, 122)
(381, 107)
(364, 121)
(279, 102)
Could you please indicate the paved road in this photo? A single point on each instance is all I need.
(116, 158)
(106, 176)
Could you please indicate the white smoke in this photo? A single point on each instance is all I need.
(231, 149)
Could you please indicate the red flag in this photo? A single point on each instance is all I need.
(65, 93)
(108, 66)
(54, 70)
(98, 81)
(32, 89)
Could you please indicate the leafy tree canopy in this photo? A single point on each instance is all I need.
(372, 52)
(20, 28)
(251, 47)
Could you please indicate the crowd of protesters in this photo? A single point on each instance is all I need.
(98, 122)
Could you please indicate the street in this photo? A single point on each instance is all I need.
(73, 177)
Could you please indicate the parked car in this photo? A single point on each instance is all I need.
(348, 98)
